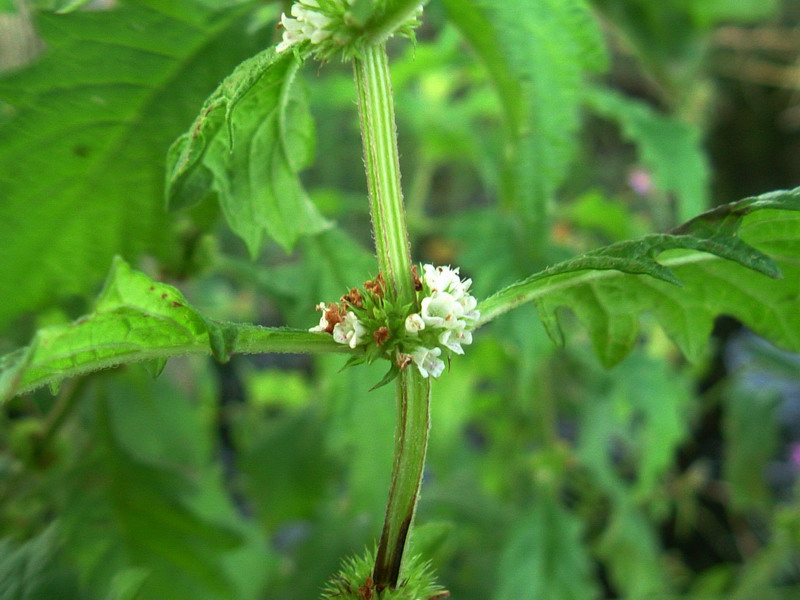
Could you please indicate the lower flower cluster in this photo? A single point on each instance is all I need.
(437, 324)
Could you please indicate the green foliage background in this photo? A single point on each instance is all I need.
(671, 475)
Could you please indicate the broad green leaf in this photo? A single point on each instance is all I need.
(544, 558)
(137, 319)
(81, 175)
(715, 264)
(252, 136)
(537, 53)
(668, 148)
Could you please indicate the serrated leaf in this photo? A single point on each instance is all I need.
(544, 557)
(669, 148)
(250, 140)
(137, 319)
(537, 52)
(609, 288)
(81, 153)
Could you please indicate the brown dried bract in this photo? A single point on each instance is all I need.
(415, 278)
(333, 315)
(366, 591)
(377, 286)
(354, 298)
(381, 335)
(403, 360)
(440, 595)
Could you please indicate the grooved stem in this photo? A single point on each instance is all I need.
(379, 135)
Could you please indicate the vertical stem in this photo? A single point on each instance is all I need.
(379, 135)
(410, 446)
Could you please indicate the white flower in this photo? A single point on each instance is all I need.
(444, 279)
(414, 324)
(442, 310)
(428, 361)
(350, 331)
(323, 322)
(469, 305)
(306, 23)
(453, 338)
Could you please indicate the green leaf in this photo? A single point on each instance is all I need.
(250, 140)
(137, 319)
(536, 52)
(670, 149)
(609, 288)
(81, 175)
(544, 558)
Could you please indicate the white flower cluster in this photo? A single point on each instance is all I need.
(306, 23)
(448, 314)
(450, 310)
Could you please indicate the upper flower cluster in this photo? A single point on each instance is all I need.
(445, 315)
(333, 26)
(308, 22)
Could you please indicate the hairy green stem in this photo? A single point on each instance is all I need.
(379, 135)
(410, 446)
(378, 130)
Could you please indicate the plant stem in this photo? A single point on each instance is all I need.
(410, 446)
(379, 135)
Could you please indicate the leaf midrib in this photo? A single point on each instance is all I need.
(545, 287)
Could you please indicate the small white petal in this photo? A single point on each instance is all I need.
(414, 324)
(350, 331)
(323, 322)
(428, 362)
(449, 339)
(441, 310)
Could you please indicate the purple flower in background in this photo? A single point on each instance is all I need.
(794, 454)
(640, 181)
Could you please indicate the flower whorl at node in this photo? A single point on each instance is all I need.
(447, 314)
(330, 26)
(308, 22)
